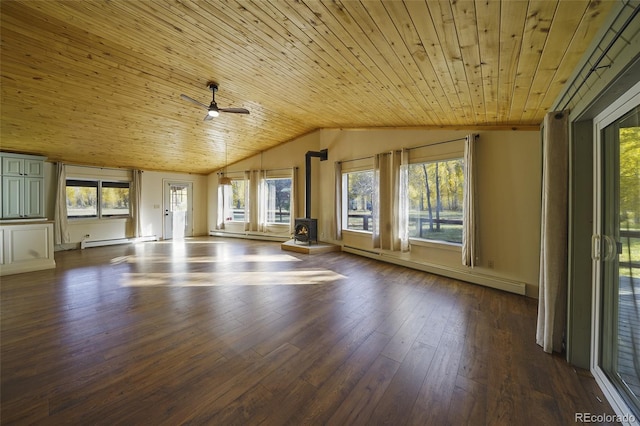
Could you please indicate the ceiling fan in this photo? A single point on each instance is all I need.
(212, 109)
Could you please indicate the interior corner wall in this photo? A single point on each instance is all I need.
(286, 155)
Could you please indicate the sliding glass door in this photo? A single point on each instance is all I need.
(616, 252)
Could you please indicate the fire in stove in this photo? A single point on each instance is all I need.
(306, 230)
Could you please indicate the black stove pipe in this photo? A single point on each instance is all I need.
(322, 154)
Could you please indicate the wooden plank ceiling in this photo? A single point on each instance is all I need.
(99, 82)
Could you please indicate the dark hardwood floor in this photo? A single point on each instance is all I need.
(227, 331)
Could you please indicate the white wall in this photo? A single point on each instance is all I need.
(152, 212)
(152, 209)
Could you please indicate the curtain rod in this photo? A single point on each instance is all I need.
(437, 143)
(409, 149)
(604, 52)
(99, 167)
(356, 159)
(267, 170)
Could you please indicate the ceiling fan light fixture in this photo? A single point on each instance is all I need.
(213, 113)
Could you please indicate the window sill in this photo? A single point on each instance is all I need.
(356, 232)
(442, 245)
(97, 220)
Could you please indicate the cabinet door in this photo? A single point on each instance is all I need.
(34, 168)
(12, 166)
(33, 197)
(12, 197)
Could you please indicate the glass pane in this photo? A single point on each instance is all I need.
(179, 199)
(114, 199)
(620, 340)
(278, 200)
(359, 186)
(82, 199)
(238, 210)
(435, 200)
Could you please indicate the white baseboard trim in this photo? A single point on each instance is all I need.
(27, 266)
(475, 278)
(99, 243)
(249, 236)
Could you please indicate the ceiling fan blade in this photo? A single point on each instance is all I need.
(208, 117)
(187, 98)
(235, 110)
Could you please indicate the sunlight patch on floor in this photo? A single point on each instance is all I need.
(212, 279)
(229, 258)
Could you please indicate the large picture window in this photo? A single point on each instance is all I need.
(97, 199)
(278, 193)
(435, 194)
(358, 187)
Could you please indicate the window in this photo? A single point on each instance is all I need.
(82, 198)
(234, 201)
(97, 199)
(114, 199)
(435, 193)
(278, 193)
(358, 188)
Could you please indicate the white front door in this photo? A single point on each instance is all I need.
(178, 210)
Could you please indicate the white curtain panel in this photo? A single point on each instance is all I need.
(221, 205)
(552, 285)
(60, 223)
(375, 201)
(293, 200)
(263, 199)
(136, 202)
(252, 193)
(248, 208)
(469, 210)
(403, 200)
(338, 200)
(389, 215)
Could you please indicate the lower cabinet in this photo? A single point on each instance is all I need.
(26, 246)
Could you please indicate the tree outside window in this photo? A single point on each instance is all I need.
(359, 190)
(278, 192)
(97, 199)
(238, 210)
(435, 200)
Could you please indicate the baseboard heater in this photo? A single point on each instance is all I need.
(475, 278)
(249, 236)
(99, 243)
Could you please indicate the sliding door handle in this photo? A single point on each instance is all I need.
(596, 248)
(612, 248)
(603, 252)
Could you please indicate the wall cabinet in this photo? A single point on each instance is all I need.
(22, 186)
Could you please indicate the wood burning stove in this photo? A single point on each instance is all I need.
(306, 230)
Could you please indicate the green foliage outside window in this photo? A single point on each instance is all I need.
(436, 190)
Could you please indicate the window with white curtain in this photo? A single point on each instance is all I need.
(358, 195)
(278, 199)
(435, 192)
